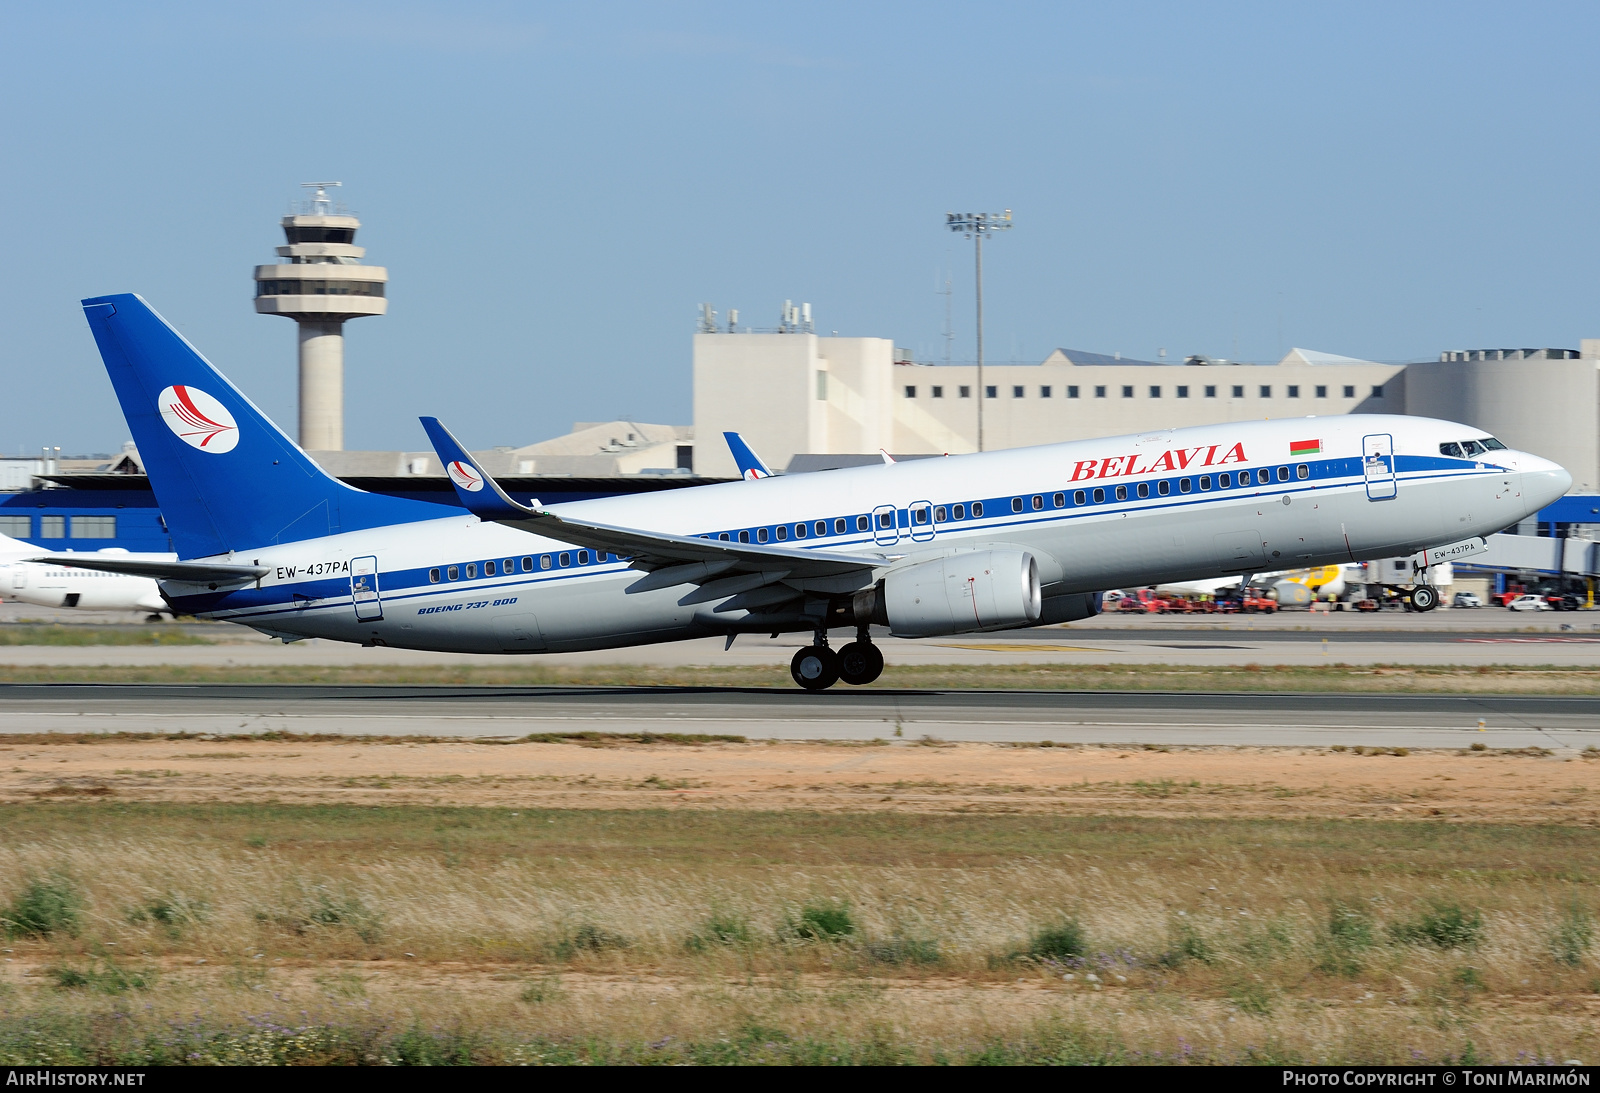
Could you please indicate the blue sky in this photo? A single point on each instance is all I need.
(555, 189)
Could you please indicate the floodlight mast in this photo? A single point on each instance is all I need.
(975, 226)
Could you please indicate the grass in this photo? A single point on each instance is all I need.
(49, 634)
(415, 934)
(1390, 678)
(43, 906)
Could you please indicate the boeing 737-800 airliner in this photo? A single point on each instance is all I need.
(930, 547)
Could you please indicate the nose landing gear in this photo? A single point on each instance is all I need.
(817, 667)
(1424, 597)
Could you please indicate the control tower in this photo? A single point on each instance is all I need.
(319, 282)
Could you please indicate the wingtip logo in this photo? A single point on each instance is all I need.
(198, 420)
(465, 476)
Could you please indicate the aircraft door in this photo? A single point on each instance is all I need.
(885, 525)
(920, 517)
(1377, 466)
(19, 576)
(364, 588)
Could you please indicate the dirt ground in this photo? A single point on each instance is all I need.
(1482, 786)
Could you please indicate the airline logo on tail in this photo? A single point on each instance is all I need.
(199, 420)
(465, 476)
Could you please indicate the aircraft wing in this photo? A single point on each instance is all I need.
(681, 559)
(161, 569)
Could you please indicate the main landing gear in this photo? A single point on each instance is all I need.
(817, 667)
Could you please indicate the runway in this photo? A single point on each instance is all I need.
(1562, 723)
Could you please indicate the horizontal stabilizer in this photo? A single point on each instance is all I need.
(161, 569)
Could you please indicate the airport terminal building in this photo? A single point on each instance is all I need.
(801, 394)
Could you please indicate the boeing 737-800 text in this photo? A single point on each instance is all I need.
(930, 547)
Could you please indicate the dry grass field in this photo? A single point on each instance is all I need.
(300, 900)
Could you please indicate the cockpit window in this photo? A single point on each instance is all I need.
(1451, 449)
(1472, 448)
(1492, 444)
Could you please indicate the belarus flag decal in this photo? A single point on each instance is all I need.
(1305, 447)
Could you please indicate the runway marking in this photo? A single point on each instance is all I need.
(1300, 725)
(1529, 641)
(1018, 647)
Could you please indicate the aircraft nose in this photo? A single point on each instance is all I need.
(1543, 482)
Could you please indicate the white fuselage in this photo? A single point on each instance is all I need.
(1095, 514)
(45, 584)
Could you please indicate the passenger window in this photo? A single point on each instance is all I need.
(723, 537)
(960, 512)
(1016, 504)
(433, 576)
(977, 508)
(1078, 497)
(820, 527)
(744, 536)
(839, 526)
(527, 564)
(583, 557)
(454, 573)
(885, 519)
(761, 535)
(1262, 477)
(1099, 496)
(1302, 471)
(940, 516)
(1163, 487)
(1224, 481)
(1144, 489)
(488, 569)
(472, 570)
(1205, 482)
(919, 515)
(1038, 502)
(862, 524)
(783, 532)
(1283, 474)
(1122, 493)
(1451, 449)
(544, 561)
(1184, 485)
(565, 559)
(1060, 500)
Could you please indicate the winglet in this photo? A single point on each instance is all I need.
(479, 494)
(750, 465)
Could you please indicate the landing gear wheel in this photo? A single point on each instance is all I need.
(860, 663)
(1424, 598)
(816, 668)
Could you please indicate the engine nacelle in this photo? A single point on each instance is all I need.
(962, 594)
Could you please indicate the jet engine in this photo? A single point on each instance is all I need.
(963, 593)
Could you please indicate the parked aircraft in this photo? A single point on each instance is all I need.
(69, 584)
(929, 547)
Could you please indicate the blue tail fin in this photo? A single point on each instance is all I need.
(750, 464)
(226, 477)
